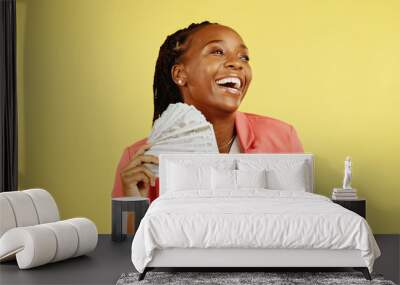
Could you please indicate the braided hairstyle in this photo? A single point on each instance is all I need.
(165, 91)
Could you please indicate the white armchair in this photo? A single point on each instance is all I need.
(31, 232)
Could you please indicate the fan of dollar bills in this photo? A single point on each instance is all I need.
(181, 128)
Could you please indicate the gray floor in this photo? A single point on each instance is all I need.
(102, 266)
(110, 260)
(389, 262)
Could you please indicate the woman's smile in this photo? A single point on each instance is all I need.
(231, 84)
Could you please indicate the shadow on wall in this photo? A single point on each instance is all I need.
(21, 32)
(33, 107)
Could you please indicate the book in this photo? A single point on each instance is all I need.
(345, 194)
(341, 190)
(344, 197)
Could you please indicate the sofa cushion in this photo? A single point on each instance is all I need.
(40, 244)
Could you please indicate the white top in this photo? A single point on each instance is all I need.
(235, 147)
(130, 198)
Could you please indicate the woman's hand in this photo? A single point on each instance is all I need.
(136, 177)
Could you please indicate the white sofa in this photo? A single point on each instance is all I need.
(31, 231)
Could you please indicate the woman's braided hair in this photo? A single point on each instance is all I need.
(165, 91)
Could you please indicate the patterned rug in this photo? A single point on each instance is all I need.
(242, 278)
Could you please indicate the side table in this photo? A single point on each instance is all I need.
(356, 205)
(123, 206)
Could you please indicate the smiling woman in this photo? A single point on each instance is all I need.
(205, 65)
(214, 74)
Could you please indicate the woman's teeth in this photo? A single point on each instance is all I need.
(234, 81)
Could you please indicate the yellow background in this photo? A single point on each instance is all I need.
(85, 74)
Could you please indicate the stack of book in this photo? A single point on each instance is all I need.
(344, 194)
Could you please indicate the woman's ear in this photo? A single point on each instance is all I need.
(178, 74)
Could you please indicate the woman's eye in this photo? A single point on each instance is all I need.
(246, 58)
(221, 52)
(218, 51)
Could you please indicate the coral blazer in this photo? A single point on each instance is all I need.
(255, 133)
